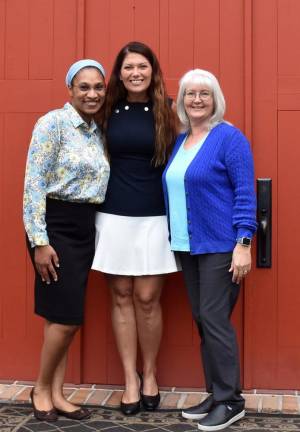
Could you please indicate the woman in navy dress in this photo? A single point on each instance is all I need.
(132, 246)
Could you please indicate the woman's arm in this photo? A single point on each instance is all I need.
(240, 169)
(239, 162)
(40, 161)
(41, 157)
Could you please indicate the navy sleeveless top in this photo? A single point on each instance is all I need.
(135, 185)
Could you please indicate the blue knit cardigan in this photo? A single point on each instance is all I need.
(220, 195)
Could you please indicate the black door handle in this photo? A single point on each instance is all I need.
(264, 218)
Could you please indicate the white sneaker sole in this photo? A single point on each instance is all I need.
(193, 416)
(224, 425)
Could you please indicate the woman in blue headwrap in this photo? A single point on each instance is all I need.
(66, 176)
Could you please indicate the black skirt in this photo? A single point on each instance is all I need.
(71, 232)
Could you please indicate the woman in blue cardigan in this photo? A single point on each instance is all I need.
(210, 199)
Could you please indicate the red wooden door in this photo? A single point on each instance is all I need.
(272, 344)
(253, 47)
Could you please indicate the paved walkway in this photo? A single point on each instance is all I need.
(257, 401)
(19, 418)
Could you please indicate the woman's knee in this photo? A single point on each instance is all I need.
(60, 332)
(121, 290)
(147, 301)
(67, 330)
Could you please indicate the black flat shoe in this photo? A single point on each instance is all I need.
(48, 416)
(79, 414)
(130, 408)
(150, 403)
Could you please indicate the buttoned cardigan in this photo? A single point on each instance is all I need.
(219, 188)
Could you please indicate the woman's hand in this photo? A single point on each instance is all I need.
(241, 262)
(46, 260)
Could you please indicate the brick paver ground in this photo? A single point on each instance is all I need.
(174, 398)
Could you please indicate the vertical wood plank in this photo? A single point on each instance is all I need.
(177, 26)
(80, 40)
(146, 23)
(41, 39)
(95, 331)
(231, 74)
(65, 47)
(288, 40)
(248, 64)
(121, 25)
(288, 318)
(2, 37)
(97, 32)
(164, 48)
(1, 220)
(288, 348)
(181, 37)
(14, 152)
(248, 118)
(164, 37)
(261, 294)
(181, 340)
(17, 39)
(207, 34)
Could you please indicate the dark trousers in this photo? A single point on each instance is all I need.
(212, 296)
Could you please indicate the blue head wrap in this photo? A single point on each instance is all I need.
(77, 66)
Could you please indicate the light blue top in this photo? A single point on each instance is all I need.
(66, 161)
(177, 199)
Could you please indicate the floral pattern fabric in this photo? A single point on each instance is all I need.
(66, 161)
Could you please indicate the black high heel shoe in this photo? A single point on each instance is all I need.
(150, 403)
(132, 408)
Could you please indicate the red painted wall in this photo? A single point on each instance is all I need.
(252, 46)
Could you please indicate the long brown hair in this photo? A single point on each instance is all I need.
(164, 118)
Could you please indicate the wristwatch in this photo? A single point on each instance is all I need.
(244, 241)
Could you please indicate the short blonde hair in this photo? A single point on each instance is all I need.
(199, 76)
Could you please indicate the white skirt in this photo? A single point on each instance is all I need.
(133, 246)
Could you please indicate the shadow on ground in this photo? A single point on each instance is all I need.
(16, 418)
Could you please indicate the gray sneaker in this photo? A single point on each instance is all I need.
(199, 411)
(221, 416)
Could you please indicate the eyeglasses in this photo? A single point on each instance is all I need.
(204, 94)
(84, 88)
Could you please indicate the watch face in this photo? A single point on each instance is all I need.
(245, 241)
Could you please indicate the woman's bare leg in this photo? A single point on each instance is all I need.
(124, 326)
(58, 398)
(57, 338)
(147, 291)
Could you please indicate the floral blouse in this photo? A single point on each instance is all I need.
(66, 161)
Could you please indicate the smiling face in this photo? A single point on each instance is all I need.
(136, 74)
(87, 92)
(198, 103)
